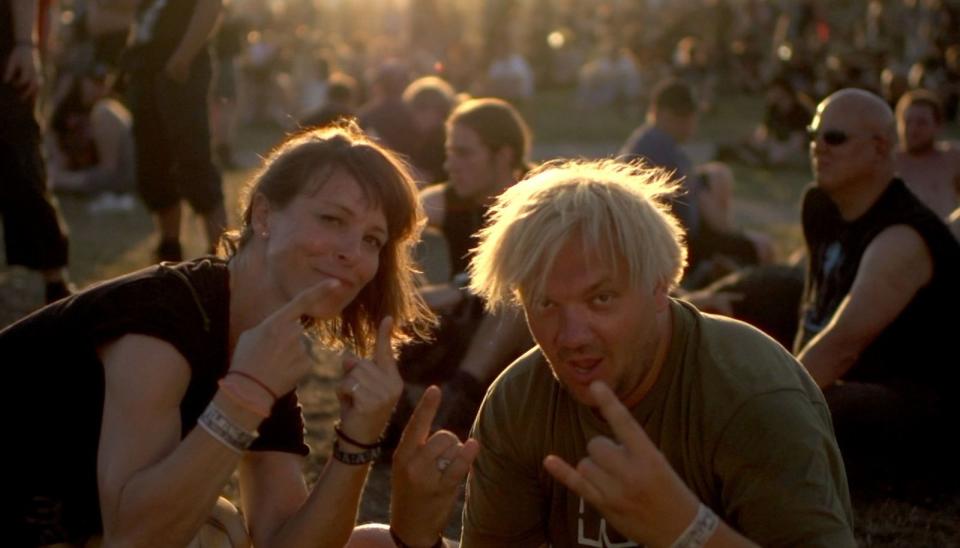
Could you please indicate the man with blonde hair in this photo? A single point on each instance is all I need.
(688, 428)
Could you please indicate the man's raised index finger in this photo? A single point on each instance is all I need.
(624, 426)
(418, 427)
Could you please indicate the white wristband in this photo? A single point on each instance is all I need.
(224, 430)
(700, 529)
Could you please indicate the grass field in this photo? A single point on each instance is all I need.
(108, 244)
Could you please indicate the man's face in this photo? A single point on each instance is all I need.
(918, 129)
(591, 324)
(471, 164)
(842, 148)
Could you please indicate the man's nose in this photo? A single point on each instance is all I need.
(574, 330)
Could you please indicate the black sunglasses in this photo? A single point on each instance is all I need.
(832, 137)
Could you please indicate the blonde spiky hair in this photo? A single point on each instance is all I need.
(618, 209)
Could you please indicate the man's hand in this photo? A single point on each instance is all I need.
(23, 70)
(631, 484)
(427, 473)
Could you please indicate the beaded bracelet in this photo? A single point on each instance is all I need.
(235, 393)
(255, 381)
(700, 529)
(223, 429)
(342, 435)
(401, 544)
(355, 459)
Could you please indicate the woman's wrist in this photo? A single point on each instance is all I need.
(243, 417)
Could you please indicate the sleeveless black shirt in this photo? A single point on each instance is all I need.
(921, 343)
(461, 222)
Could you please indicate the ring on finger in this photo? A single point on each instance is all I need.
(353, 389)
(443, 463)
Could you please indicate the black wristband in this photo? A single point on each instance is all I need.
(401, 544)
(342, 435)
(355, 459)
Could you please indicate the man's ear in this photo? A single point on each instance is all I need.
(661, 296)
(259, 213)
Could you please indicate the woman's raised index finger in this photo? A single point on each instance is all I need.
(305, 301)
(383, 352)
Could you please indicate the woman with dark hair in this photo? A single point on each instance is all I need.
(157, 386)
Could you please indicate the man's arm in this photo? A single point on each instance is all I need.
(788, 488)
(894, 267)
(201, 26)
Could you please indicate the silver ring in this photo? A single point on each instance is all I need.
(353, 389)
(443, 463)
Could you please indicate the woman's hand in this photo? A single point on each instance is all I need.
(428, 471)
(273, 352)
(369, 390)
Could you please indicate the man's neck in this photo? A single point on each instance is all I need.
(856, 199)
(649, 380)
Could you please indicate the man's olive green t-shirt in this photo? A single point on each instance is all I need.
(737, 417)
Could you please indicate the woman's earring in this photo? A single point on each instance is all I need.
(265, 234)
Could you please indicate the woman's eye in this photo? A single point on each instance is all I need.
(331, 219)
(374, 242)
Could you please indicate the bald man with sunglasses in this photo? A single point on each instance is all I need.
(883, 274)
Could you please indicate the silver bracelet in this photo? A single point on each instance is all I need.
(223, 429)
(700, 529)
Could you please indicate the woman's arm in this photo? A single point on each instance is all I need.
(155, 488)
(279, 510)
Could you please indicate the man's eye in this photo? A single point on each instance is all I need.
(603, 298)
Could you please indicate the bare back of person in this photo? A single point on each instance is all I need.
(934, 177)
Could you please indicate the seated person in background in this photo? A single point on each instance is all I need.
(881, 287)
(704, 209)
(385, 116)
(340, 103)
(430, 99)
(781, 138)
(487, 146)
(931, 170)
(89, 145)
(686, 429)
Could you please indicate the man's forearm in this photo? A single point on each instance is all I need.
(827, 359)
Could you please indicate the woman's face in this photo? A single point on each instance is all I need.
(331, 232)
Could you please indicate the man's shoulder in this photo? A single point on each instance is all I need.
(528, 371)
(737, 361)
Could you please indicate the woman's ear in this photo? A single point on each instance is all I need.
(260, 214)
